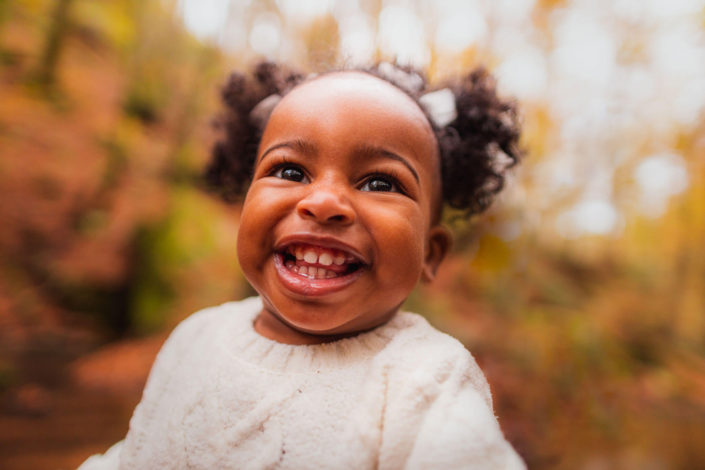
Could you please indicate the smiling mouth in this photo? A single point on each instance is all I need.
(318, 263)
(313, 270)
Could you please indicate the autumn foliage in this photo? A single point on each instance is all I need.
(594, 344)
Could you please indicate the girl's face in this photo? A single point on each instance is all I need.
(336, 228)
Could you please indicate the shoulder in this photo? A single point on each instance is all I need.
(425, 357)
(196, 335)
(438, 404)
(227, 315)
(421, 333)
(413, 328)
(229, 312)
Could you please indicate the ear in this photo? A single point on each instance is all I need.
(439, 242)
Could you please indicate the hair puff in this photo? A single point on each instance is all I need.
(476, 148)
(480, 145)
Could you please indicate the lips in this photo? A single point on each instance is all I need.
(315, 269)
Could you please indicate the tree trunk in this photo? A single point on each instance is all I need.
(53, 45)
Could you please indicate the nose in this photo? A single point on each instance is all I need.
(326, 204)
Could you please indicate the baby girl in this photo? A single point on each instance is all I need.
(345, 175)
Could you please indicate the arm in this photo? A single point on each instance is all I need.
(460, 431)
(146, 416)
(439, 414)
(110, 460)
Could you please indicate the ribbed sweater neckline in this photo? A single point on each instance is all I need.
(246, 345)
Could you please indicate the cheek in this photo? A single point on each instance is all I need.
(245, 240)
(400, 242)
(256, 221)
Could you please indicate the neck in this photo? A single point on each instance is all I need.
(272, 327)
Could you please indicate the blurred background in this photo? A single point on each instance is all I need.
(581, 292)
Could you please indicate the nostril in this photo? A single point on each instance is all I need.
(337, 218)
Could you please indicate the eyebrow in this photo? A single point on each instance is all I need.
(298, 145)
(363, 150)
(372, 150)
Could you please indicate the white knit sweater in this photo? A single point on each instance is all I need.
(220, 396)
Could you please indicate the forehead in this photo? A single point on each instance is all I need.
(367, 107)
(353, 86)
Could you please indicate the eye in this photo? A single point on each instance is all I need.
(380, 183)
(291, 173)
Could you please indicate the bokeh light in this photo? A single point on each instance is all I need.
(581, 291)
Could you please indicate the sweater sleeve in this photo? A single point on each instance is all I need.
(460, 431)
(110, 460)
(171, 355)
(439, 415)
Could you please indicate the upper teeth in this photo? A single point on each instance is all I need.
(310, 256)
(325, 258)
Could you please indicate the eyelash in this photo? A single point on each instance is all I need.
(283, 164)
(390, 175)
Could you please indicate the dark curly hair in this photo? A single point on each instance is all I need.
(476, 148)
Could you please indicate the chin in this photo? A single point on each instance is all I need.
(316, 319)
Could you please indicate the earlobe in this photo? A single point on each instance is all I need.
(439, 242)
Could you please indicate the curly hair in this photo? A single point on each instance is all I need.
(476, 147)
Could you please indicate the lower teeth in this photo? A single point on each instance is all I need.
(310, 272)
